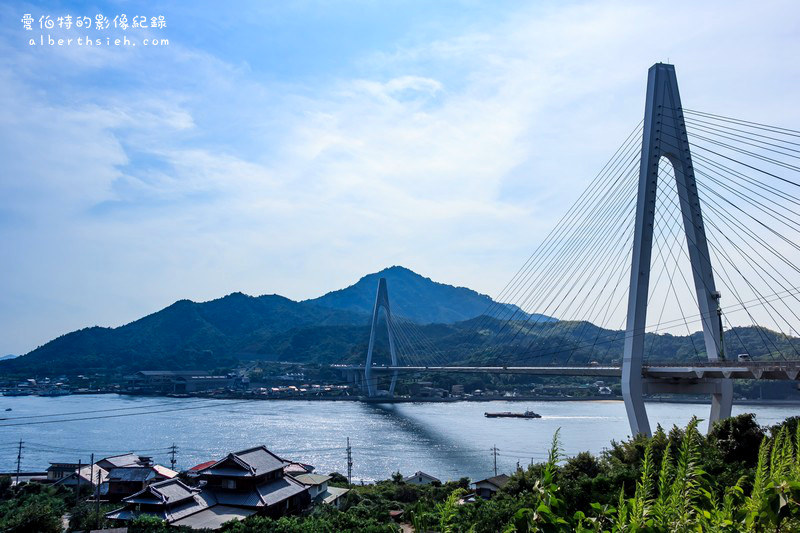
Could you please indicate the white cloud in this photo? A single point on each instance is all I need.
(451, 157)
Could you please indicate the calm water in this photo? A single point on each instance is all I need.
(447, 440)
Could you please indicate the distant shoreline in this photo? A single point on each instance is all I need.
(681, 400)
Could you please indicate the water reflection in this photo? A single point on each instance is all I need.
(447, 440)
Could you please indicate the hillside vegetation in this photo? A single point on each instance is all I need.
(334, 329)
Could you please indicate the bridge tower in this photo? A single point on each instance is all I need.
(381, 301)
(664, 135)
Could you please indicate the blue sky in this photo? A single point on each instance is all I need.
(291, 147)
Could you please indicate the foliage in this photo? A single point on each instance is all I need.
(334, 328)
(32, 509)
(675, 481)
(84, 516)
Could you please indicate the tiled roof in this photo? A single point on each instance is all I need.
(312, 479)
(252, 462)
(167, 491)
(264, 495)
(497, 481)
(126, 459)
(279, 490)
(89, 473)
(202, 466)
(332, 494)
(164, 471)
(131, 473)
(249, 499)
(420, 473)
(261, 460)
(213, 517)
(178, 501)
(297, 468)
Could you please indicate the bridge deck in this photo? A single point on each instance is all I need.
(752, 370)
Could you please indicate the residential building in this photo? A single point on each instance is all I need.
(319, 491)
(179, 381)
(57, 471)
(421, 478)
(243, 483)
(88, 477)
(170, 500)
(194, 471)
(486, 488)
(295, 469)
(124, 460)
(127, 480)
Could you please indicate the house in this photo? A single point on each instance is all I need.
(319, 491)
(294, 469)
(127, 480)
(194, 471)
(254, 478)
(421, 478)
(170, 500)
(57, 471)
(88, 477)
(486, 488)
(243, 483)
(124, 460)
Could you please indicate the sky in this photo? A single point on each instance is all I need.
(293, 147)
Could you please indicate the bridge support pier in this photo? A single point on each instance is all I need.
(721, 391)
(664, 135)
(371, 381)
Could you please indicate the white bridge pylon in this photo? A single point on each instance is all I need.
(381, 301)
(664, 135)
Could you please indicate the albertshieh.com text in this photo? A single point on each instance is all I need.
(48, 40)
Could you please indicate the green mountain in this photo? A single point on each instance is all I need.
(449, 327)
(210, 334)
(184, 335)
(416, 298)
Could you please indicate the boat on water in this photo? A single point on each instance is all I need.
(509, 414)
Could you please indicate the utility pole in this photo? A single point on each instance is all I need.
(78, 488)
(91, 474)
(97, 500)
(494, 452)
(172, 458)
(19, 460)
(349, 463)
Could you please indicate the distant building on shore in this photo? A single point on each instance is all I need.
(178, 381)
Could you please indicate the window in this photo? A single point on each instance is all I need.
(229, 483)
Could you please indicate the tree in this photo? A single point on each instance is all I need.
(39, 513)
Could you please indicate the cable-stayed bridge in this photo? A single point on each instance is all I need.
(676, 270)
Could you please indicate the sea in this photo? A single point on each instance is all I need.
(446, 440)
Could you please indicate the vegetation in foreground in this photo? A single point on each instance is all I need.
(740, 477)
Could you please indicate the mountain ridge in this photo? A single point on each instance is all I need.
(415, 297)
(187, 333)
